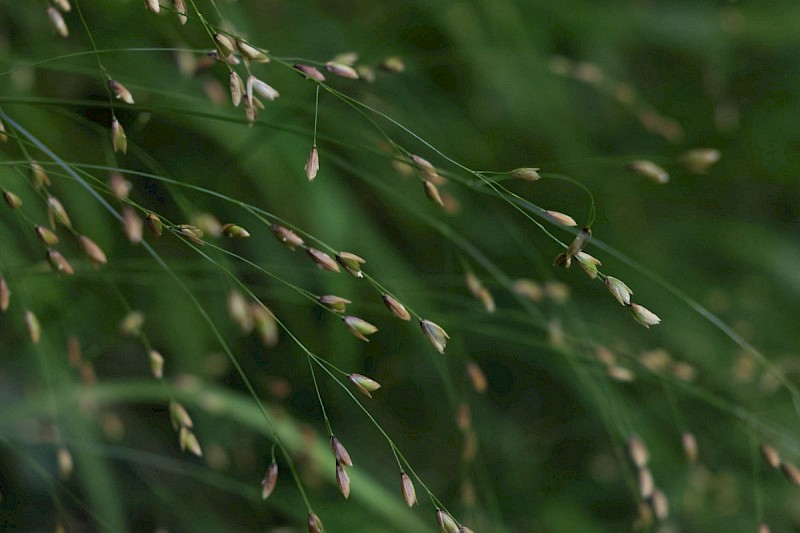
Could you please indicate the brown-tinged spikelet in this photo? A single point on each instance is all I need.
(310, 72)
(689, 443)
(649, 170)
(396, 307)
(39, 177)
(791, 472)
(12, 200)
(119, 186)
(407, 488)
(46, 235)
(34, 327)
(118, 139)
(5, 295)
(120, 91)
(58, 264)
(637, 451)
(237, 88)
(351, 263)
(57, 211)
(269, 481)
(436, 334)
(239, 311)
(336, 304)
(132, 225)
(643, 316)
(561, 218)
(432, 192)
(343, 481)
(477, 377)
(250, 52)
(154, 224)
(312, 165)
(446, 522)
(359, 327)
(323, 260)
(287, 236)
(92, 250)
(156, 364)
(528, 174)
(314, 523)
(770, 455)
(57, 22)
(342, 70)
(340, 452)
(180, 8)
(364, 384)
(699, 160)
(232, 231)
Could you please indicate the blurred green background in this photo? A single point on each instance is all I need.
(576, 88)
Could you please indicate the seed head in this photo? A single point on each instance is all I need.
(588, 264)
(258, 86)
(432, 192)
(407, 488)
(180, 7)
(237, 88)
(322, 260)
(34, 327)
(156, 364)
(334, 303)
(649, 169)
(119, 186)
(250, 52)
(132, 225)
(58, 263)
(224, 44)
(660, 504)
(579, 243)
(265, 324)
(791, 472)
(46, 235)
(152, 5)
(340, 69)
(637, 451)
(155, 225)
(179, 416)
(619, 290)
(620, 373)
(232, 231)
(314, 523)
(646, 483)
(193, 233)
(689, 443)
(310, 72)
(269, 481)
(436, 335)
(287, 236)
(770, 455)
(393, 64)
(118, 139)
(131, 325)
(58, 212)
(359, 327)
(312, 165)
(13, 201)
(92, 250)
(239, 311)
(340, 453)
(120, 92)
(343, 481)
(396, 307)
(364, 384)
(477, 377)
(39, 177)
(5, 295)
(230, 60)
(351, 263)
(188, 441)
(643, 316)
(529, 289)
(528, 174)
(561, 218)
(65, 463)
(446, 522)
(699, 160)
(57, 22)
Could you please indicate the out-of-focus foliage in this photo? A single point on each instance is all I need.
(577, 89)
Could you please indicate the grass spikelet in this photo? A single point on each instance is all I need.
(57, 22)
(131, 325)
(236, 87)
(527, 174)
(39, 177)
(154, 224)
(660, 505)
(65, 463)
(265, 325)
(3, 134)
(643, 316)
(446, 522)
(561, 218)
(239, 311)
(179, 416)
(336, 304)
(188, 441)
(119, 186)
(314, 523)
(621, 292)
(351, 263)
(322, 260)
(340, 452)
(132, 225)
(34, 327)
(791, 472)
(343, 481)
(193, 233)
(637, 451)
(287, 236)
(437, 336)
(359, 327)
(58, 263)
(120, 91)
(699, 160)
(180, 8)
(58, 212)
(341, 70)
(393, 65)
(224, 44)
(5, 295)
(364, 384)
(232, 231)
(12, 200)
(312, 165)
(152, 5)
(269, 481)
(621, 374)
(251, 53)
(407, 489)
(588, 263)
(432, 192)
(396, 307)
(477, 377)
(529, 289)
(118, 139)
(92, 250)
(646, 483)
(770, 455)
(689, 443)
(310, 72)
(46, 235)
(156, 364)
(649, 170)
